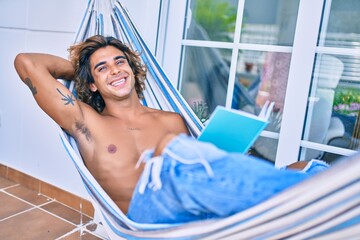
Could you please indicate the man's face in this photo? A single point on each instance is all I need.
(112, 73)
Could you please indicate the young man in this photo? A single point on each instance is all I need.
(183, 179)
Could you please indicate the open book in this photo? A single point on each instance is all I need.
(235, 130)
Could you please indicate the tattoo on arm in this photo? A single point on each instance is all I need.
(68, 99)
(84, 130)
(28, 82)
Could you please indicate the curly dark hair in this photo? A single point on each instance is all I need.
(80, 57)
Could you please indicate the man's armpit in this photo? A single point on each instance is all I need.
(32, 88)
(81, 127)
(55, 75)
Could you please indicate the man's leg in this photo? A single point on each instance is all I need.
(194, 180)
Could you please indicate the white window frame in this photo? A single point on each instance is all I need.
(302, 60)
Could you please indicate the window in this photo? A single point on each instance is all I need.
(334, 100)
(241, 53)
(239, 60)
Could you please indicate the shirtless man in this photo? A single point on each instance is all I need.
(112, 129)
(112, 140)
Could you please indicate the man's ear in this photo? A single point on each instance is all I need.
(93, 87)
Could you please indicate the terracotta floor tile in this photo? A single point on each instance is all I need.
(87, 208)
(10, 206)
(27, 195)
(21, 220)
(60, 195)
(23, 179)
(66, 213)
(84, 235)
(35, 224)
(3, 170)
(6, 183)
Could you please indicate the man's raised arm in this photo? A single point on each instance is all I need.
(39, 72)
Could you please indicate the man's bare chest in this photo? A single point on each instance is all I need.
(109, 140)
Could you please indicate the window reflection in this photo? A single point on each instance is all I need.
(216, 18)
(262, 76)
(346, 105)
(205, 78)
(205, 73)
(333, 106)
(259, 76)
(342, 27)
(270, 22)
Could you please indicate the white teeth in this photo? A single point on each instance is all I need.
(116, 83)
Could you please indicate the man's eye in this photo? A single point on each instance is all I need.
(102, 68)
(120, 62)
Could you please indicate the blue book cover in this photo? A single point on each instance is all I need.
(235, 130)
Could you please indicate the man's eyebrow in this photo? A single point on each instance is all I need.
(118, 57)
(100, 63)
(103, 62)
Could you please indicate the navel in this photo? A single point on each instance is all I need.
(112, 149)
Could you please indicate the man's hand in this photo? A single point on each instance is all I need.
(298, 165)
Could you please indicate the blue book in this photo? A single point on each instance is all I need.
(235, 130)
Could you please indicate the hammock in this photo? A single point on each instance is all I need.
(325, 206)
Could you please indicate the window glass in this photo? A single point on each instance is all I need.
(269, 22)
(326, 156)
(333, 105)
(334, 100)
(262, 76)
(341, 24)
(205, 79)
(212, 20)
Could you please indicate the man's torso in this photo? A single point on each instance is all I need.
(111, 148)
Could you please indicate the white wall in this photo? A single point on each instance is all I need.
(29, 141)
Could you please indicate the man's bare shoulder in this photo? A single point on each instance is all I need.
(163, 115)
(88, 109)
(171, 120)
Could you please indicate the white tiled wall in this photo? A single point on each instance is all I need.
(29, 141)
(64, 16)
(13, 13)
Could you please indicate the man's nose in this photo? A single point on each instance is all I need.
(115, 69)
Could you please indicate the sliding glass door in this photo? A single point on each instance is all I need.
(302, 55)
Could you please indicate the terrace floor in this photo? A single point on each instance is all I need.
(27, 214)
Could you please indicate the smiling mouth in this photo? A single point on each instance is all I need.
(117, 82)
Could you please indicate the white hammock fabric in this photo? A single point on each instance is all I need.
(326, 206)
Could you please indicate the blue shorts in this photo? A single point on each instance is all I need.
(194, 180)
